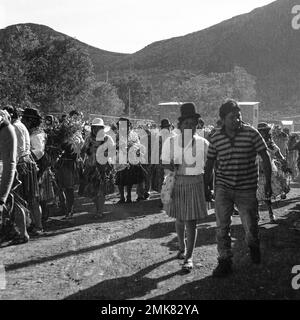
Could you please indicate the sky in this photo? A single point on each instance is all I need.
(124, 26)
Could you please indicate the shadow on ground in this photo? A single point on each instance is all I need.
(84, 213)
(136, 285)
(270, 280)
(154, 231)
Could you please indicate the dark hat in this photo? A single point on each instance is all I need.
(187, 110)
(165, 123)
(49, 117)
(286, 130)
(73, 113)
(227, 107)
(263, 126)
(31, 113)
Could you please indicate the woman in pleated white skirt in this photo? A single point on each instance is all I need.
(186, 154)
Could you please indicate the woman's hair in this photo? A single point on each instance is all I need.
(266, 134)
(200, 123)
(94, 131)
(74, 113)
(35, 122)
(179, 123)
(13, 112)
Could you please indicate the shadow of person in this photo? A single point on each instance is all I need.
(154, 231)
(85, 214)
(268, 281)
(134, 286)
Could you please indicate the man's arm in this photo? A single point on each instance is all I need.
(8, 148)
(267, 171)
(208, 170)
(208, 176)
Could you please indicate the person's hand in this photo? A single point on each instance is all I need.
(209, 194)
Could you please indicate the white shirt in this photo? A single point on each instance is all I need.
(191, 159)
(37, 142)
(23, 139)
(155, 151)
(106, 152)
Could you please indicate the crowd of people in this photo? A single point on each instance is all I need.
(45, 160)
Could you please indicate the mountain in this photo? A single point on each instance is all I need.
(100, 58)
(262, 41)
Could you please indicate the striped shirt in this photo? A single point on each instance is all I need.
(236, 165)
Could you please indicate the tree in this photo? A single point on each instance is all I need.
(209, 91)
(132, 91)
(243, 85)
(51, 73)
(58, 73)
(13, 80)
(105, 100)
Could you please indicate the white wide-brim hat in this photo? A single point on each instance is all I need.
(98, 122)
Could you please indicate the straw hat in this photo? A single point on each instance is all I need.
(98, 122)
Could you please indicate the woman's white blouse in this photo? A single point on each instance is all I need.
(38, 142)
(191, 159)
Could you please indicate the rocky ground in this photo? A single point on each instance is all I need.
(130, 254)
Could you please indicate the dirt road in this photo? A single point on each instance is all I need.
(130, 254)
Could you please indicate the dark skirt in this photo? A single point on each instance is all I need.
(157, 177)
(96, 180)
(135, 174)
(27, 174)
(14, 204)
(66, 174)
(47, 185)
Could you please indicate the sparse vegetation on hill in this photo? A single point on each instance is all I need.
(262, 43)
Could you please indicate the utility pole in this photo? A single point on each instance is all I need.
(63, 104)
(129, 101)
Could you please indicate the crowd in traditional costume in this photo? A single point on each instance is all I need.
(280, 177)
(57, 157)
(97, 179)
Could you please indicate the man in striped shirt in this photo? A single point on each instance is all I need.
(232, 153)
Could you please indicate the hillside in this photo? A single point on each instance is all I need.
(100, 58)
(262, 41)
